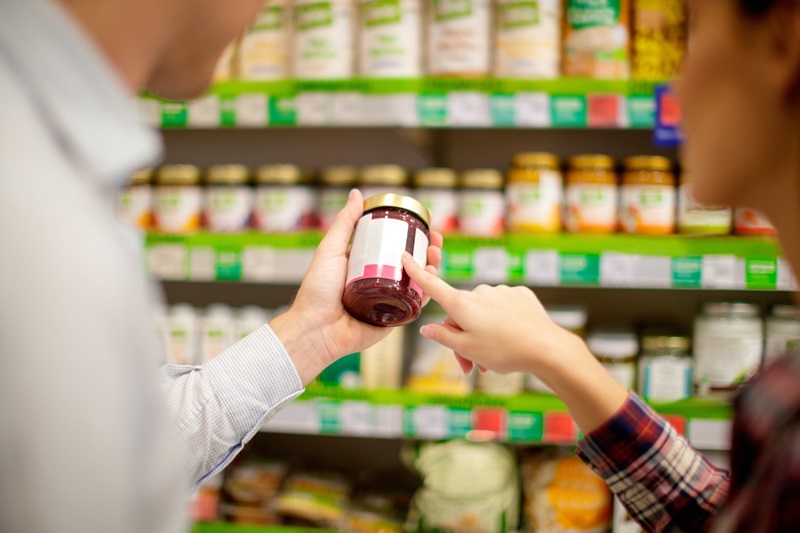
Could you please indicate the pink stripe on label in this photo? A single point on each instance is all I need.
(383, 271)
(418, 289)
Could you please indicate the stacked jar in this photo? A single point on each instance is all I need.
(647, 204)
(592, 195)
(178, 199)
(285, 199)
(229, 199)
(459, 38)
(390, 39)
(335, 185)
(481, 204)
(323, 39)
(135, 202)
(617, 351)
(782, 331)
(435, 188)
(665, 367)
(695, 218)
(534, 193)
(527, 39)
(383, 179)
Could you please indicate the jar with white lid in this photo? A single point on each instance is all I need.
(178, 199)
(482, 203)
(459, 38)
(728, 345)
(783, 331)
(665, 367)
(264, 49)
(335, 186)
(435, 188)
(390, 39)
(527, 42)
(323, 45)
(383, 179)
(229, 199)
(617, 351)
(285, 201)
(573, 318)
(135, 202)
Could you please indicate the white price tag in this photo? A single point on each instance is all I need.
(291, 265)
(258, 263)
(404, 109)
(468, 109)
(541, 268)
(297, 417)
(710, 434)
(388, 421)
(532, 110)
(491, 265)
(719, 272)
(347, 109)
(787, 281)
(430, 422)
(252, 110)
(356, 418)
(149, 111)
(652, 272)
(167, 261)
(204, 112)
(314, 109)
(376, 111)
(616, 270)
(202, 264)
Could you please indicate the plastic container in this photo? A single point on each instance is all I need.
(665, 367)
(597, 39)
(383, 179)
(217, 331)
(378, 291)
(527, 39)
(286, 201)
(324, 38)
(617, 350)
(178, 199)
(436, 190)
(782, 331)
(229, 199)
(336, 183)
(135, 202)
(264, 49)
(660, 32)
(482, 204)
(647, 204)
(750, 222)
(535, 193)
(697, 219)
(592, 195)
(390, 39)
(459, 38)
(728, 345)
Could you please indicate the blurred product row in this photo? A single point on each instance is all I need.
(535, 196)
(731, 341)
(545, 39)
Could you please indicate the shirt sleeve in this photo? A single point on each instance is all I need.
(219, 406)
(663, 482)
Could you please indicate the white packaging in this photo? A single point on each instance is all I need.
(617, 350)
(281, 208)
(264, 50)
(228, 208)
(665, 378)
(331, 201)
(591, 208)
(481, 213)
(390, 44)
(181, 335)
(442, 204)
(382, 364)
(177, 208)
(500, 384)
(459, 38)
(528, 39)
(134, 205)
(647, 209)
(536, 207)
(782, 331)
(324, 39)
(216, 331)
(249, 319)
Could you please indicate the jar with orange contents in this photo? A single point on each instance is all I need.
(534, 192)
(647, 202)
(591, 195)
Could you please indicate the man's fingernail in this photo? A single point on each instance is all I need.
(425, 332)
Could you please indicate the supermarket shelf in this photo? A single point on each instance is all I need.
(486, 103)
(615, 261)
(529, 418)
(222, 527)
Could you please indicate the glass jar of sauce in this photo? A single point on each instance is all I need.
(616, 350)
(695, 218)
(178, 199)
(591, 195)
(285, 199)
(665, 367)
(534, 192)
(482, 204)
(336, 183)
(229, 199)
(383, 179)
(647, 204)
(378, 291)
(436, 190)
(135, 202)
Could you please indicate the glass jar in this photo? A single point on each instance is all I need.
(534, 193)
(336, 183)
(750, 222)
(527, 39)
(390, 39)
(436, 190)
(597, 39)
(135, 202)
(459, 38)
(481, 203)
(324, 39)
(383, 179)
(264, 50)
(217, 331)
(647, 204)
(285, 199)
(783, 331)
(617, 351)
(378, 291)
(178, 199)
(573, 318)
(496, 384)
(696, 219)
(229, 199)
(728, 344)
(592, 195)
(665, 367)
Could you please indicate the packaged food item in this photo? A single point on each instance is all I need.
(373, 514)
(391, 39)
(697, 219)
(336, 183)
(324, 39)
(320, 500)
(617, 351)
(135, 202)
(647, 204)
(378, 291)
(500, 384)
(563, 495)
(383, 179)
(467, 487)
(660, 31)
(534, 193)
(249, 319)
(750, 222)
(206, 500)
(217, 331)
(254, 481)
(597, 39)
(665, 367)
(728, 344)
(436, 190)
(592, 195)
(285, 199)
(434, 369)
(264, 49)
(346, 372)
(181, 335)
(229, 199)
(224, 70)
(527, 39)
(481, 203)
(382, 364)
(570, 317)
(783, 331)
(249, 514)
(459, 38)
(178, 199)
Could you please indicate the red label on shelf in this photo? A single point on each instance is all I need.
(490, 421)
(604, 110)
(559, 427)
(678, 422)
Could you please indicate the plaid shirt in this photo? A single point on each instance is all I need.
(667, 485)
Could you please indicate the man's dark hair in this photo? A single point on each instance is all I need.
(757, 8)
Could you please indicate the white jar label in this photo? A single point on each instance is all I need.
(482, 213)
(228, 208)
(536, 206)
(778, 344)
(459, 37)
(591, 208)
(624, 373)
(647, 208)
(282, 209)
(264, 50)
(666, 379)
(443, 207)
(177, 209)
(391, 39)
(725, 361)
(323, 44)
(528, 39)
(134, 205)
(331, 201)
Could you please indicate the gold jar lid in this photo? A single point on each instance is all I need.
(142, 176)
(648, 162)
(228, 175)
(384, 175)
(438, 178)
(178, 175)
(536, 159)
(282, 175)
(342, 176)
(664, 341)
(482, 178)
(591, 161)
(399, 201)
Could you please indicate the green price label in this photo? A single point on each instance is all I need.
(270, 18)
(518, 15)
(381, 12)
(316, 15)
(591, 13)
(452, 9)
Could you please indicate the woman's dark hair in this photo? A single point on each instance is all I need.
(756, 8)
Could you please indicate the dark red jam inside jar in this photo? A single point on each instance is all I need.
(378, 290)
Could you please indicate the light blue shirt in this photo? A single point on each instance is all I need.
(87, 441)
